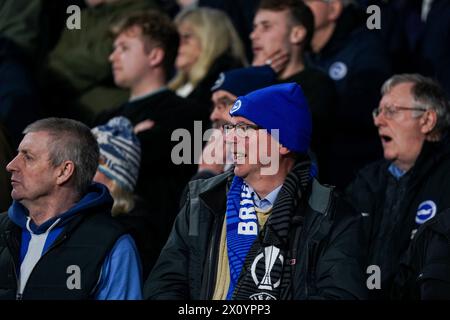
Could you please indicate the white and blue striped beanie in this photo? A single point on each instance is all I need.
(120, 152)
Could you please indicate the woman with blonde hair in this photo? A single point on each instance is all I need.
(209, 45)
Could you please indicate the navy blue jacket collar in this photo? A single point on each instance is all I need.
(97, 195)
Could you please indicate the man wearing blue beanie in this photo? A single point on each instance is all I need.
(253, 235)
(228, 86)
(280, 106)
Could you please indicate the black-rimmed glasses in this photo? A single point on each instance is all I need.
(242, 129)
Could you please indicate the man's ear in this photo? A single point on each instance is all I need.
(298, 34)
(283, 150)
(335, 8)
(65, 171)
(428, 121)
(155, 57)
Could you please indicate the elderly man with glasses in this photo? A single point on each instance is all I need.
(410, 186)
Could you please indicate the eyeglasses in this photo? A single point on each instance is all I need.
(391, 111)
(242, 129)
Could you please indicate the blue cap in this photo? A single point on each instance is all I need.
(283, 107)
(245, 80)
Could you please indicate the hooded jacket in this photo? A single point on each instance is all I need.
(63, 258)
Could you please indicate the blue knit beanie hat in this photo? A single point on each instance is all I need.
(120, 151)
(283, 107)
(245, 80)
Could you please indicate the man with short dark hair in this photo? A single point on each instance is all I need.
(145, 48)
(76, 73)
(410, 185)
(50, 246)
(282, 33)
(146, 35)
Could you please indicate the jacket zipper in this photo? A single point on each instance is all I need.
(7, 240)
(19, 296)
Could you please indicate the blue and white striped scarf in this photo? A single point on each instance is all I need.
(242, 228)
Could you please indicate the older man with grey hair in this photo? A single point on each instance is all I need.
(410, 186)
(58, 240)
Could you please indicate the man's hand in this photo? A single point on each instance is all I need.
(277, 60)
(143, 125)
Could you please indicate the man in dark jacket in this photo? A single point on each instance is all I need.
(285, 28)
(50, 246)
(354, 58)
(410, 186)
(145, 48)
(268, 230)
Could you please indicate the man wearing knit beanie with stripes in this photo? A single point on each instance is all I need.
(257, 234)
